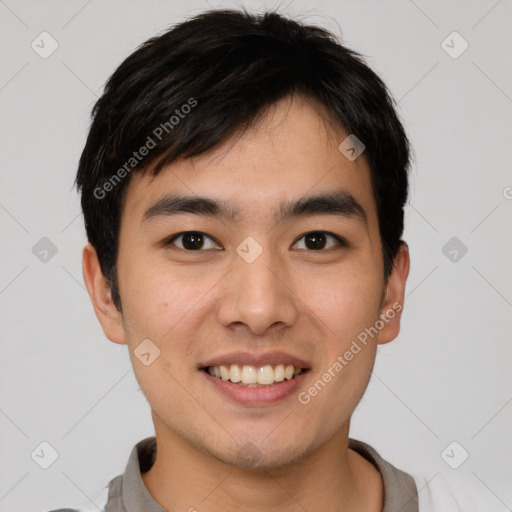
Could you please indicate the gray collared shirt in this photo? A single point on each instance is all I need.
(127, 492)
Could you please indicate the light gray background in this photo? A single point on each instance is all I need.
(446, 378)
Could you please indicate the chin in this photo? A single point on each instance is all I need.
(261, 456)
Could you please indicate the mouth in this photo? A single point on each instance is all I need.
(255, 380)
(249, 376)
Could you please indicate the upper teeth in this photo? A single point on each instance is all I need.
(247, 374)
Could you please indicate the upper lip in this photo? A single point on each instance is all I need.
(257, 360)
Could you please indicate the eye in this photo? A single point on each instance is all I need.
(317, 240)
(195, 241)
(192, 241)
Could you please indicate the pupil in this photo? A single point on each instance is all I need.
(317, 239)
(192, 241)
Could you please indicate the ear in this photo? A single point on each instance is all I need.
(108, 315)
(394, 293)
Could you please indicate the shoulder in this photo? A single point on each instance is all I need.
(455, 492)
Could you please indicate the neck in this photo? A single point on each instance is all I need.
(332, 478)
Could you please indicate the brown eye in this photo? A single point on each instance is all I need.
(192, 241)
(318, 240)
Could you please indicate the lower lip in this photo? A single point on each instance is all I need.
(256, 396)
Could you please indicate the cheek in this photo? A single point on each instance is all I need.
(165, 306)
(348, 306)
(346, 301)
(157, 300)
(162, 308)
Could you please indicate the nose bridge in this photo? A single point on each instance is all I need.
(258, 295)
(258, 277)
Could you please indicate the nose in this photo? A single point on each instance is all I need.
(259, 295)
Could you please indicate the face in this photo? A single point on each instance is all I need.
(262, 283)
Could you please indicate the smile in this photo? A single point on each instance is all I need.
(253, 376)
(262, 386)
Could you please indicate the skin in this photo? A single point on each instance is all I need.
(199, 304)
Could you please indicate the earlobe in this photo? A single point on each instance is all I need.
(394, 296)
(101, 296)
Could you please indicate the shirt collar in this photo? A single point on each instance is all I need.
(400, 491)
(135, 495)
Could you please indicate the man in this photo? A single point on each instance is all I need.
(243, 185)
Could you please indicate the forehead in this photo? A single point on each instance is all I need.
(291, 152)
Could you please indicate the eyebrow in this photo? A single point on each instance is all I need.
(339, 203)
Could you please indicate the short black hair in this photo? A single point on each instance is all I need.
(181, 93)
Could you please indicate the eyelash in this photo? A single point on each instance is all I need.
(341, 241)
